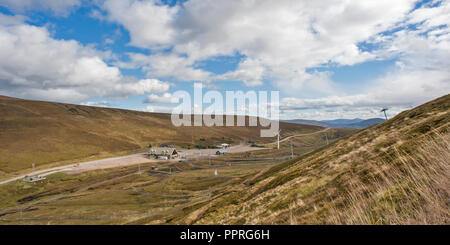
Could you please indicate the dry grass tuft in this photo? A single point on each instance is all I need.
(414, 189)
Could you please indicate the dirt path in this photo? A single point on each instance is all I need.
(87, 166)
(135, 159)
(124, 161)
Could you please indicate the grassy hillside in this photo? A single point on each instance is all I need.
(174, 193)
(45, 132)
(396, 172)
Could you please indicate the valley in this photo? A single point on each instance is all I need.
(395, 172)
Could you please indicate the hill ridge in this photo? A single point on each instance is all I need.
(43, 132)
(348, 181)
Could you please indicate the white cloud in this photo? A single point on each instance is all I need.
(164, 98)
(162, 109)
(421, 73)
(142, 86)
(109, 41)
(97, 103)
(12, 20)
(58, 7)
(280, 39)
(147, 21)
(167, 65)
(35, 65)
(399, 90)
(249, 71)
(306, 84)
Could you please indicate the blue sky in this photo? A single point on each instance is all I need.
(328, 60)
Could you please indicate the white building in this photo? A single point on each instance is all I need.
(163, 152)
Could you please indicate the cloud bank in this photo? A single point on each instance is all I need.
(280, 45)
(58, 7)
(35, 65)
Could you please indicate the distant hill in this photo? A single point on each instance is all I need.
(308, 122)
(396, 172)
(46, 132)
(343, 121)
(364, 123)
(340, 123)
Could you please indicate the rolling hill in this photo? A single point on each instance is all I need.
(343, 121)
(50, 133)
(396, 172)
(340, 123)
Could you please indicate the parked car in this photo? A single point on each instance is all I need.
(221, 152)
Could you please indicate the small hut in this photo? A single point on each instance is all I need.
(163, 152)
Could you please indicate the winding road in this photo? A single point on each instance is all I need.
(139, 158)
(299, 135)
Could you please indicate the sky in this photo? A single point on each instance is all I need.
(329, 59)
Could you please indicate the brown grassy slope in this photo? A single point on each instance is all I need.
(45, 132)
(121, 196)
(396, 172)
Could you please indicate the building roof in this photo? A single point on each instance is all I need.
(162, 151)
